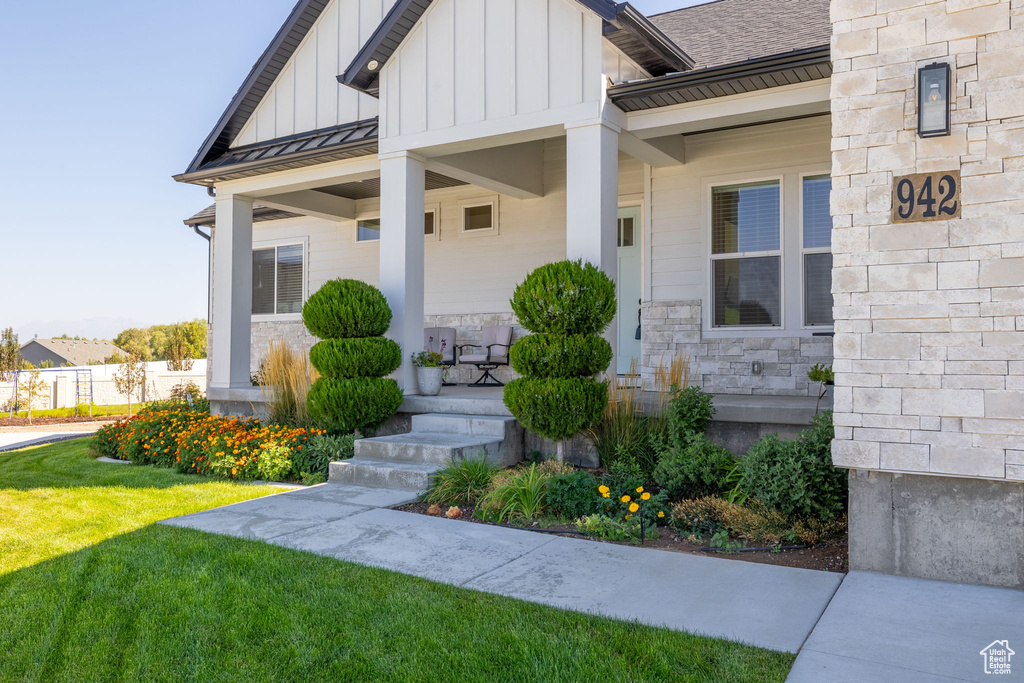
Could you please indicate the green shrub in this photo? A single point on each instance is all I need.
(104, 441)
(359, 403)
(321, 451)
(352, 393)
(552, 355)
(556, 408)
(573, 495)
(521, 494)
(797, 477)
(362, 357)
(698, 469)
(624, 479)
(568, 297)
(274, 463)
(313, 478)
(462, 482)
(689, 412)
(612, 529)
(344, 309)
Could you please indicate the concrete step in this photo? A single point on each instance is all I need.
(430, 447)
(375, 473)
(499, 427)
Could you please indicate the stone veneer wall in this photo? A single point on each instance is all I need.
(930, 316)
(723, 364)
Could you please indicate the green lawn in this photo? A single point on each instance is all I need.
(90, 590)
(97, 411)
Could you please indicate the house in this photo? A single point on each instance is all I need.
(732, 165)
(69, 352)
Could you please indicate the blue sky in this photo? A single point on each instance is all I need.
(102, 102)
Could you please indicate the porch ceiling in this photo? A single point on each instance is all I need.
(367, 189)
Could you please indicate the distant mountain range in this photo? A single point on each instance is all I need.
(89, 328)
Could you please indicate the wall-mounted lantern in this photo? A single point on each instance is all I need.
(933, 100)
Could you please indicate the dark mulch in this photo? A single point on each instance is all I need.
(831, 556)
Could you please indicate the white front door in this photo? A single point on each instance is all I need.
(629, 287)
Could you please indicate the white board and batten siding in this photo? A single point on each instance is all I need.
(470, 62)
(306, 94)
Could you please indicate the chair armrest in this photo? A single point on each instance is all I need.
(490, 346)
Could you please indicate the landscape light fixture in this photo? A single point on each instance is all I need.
(933, 100)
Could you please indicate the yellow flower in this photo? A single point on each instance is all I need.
(646, 496)
(628, 516)
(603, 489)
(634, 507)
(640, 489)
(625, 499)
(661, 513)
(606, 495)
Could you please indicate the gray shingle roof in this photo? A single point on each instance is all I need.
(79, 351)
(728, 31)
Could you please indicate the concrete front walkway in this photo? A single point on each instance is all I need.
(12, 439)
(891, 628)
(773, 607)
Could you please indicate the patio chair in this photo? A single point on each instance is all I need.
(441, 340)
(496, 342)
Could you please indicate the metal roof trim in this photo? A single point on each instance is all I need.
(725, 72)
(289, 150)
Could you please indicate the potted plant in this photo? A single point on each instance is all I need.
(429, 372)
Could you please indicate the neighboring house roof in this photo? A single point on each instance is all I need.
(729, 31)
(78, 351)
(628, 29)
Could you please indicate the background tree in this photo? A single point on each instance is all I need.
(134, 339)
(179, 350)
(30, 389)
(10, 354)
(130, 377)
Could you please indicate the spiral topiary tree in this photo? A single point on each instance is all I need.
(567, 305)
(353, 358)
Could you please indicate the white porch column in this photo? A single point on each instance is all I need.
(232, 293)
(402, 187)
(592, 202)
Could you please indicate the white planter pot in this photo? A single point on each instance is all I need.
(430, 380)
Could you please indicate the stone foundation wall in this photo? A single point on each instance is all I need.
(723, 365)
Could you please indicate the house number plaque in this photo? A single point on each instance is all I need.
(926, 197)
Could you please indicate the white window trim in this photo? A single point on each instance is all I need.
(355, 229)
(434, 208)
(804, 251)
(284, 242)
(709, 315)
(490, 200)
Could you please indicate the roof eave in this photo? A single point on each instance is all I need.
(751, 67)
(630, 19)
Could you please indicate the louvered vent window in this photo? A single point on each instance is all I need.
(817, 251)
(277, 279)
(746, 255)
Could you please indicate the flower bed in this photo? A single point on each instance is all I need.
(199, 443)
